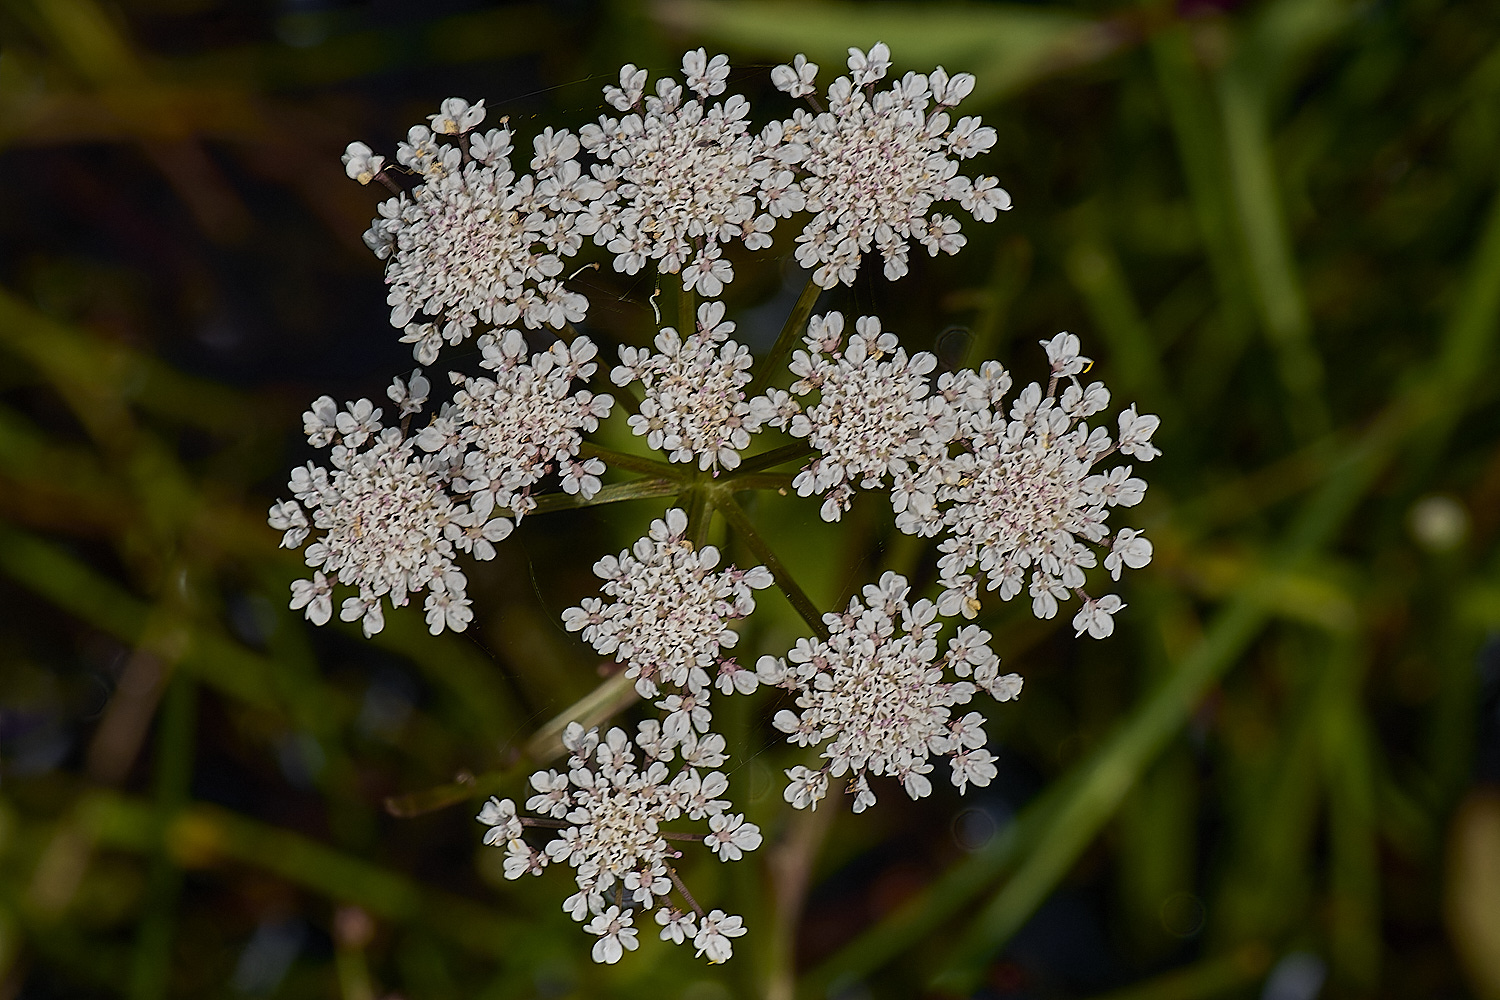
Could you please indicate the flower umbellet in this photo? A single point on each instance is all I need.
(609, 811)
(1013, 490)
(876, 697)
(872, 163)
(472, 242)
(695, 407)
(669, 620)
(680, 178)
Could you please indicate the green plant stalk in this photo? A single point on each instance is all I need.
(151, 967)
(1210, 977)
(636, 489)
(687, 313)
(1195, 129)
(1348, 764)
(770, 459)
(699, 514)
(65, 581)
(1268, 251)
(739, 522)
(1095, 271)
(791, 333)
(635, 463)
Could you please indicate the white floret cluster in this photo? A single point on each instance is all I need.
(694, 406)
(871, 165)
(1019, 493)
(677, 180)
(387, 519)
(668, 622)
(472, 242)
(876, 698)
(874, 416)
(609, 810)
(506, 433)
(681, 179)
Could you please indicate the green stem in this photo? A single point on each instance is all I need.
(739, 522)
(635, 463)
(779, 481)
(776, 456)
(791, 333)
(637, 489)
(687, 314)
(151, 970)
(699, 513)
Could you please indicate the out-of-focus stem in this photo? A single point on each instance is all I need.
(590, 710)
(791, 872)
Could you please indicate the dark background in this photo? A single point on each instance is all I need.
(1274, 223)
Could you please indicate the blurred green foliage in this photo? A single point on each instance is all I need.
(1275, 223)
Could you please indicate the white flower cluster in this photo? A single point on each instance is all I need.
(609, 812)
(669, 621)
(505, 434)
(677, 180)
(1013, 494)
(1019, 492)
(874, 417)
(680, 179)
(876, 698)
(694, 404)
(872, 164)
(387, 519)
(472, 242)
(1011, 487)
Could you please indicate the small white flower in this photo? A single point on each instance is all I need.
(676, 926)
(314, 595)
(616, 935)
(805, 787)
(410, 395)
(1131, 549)
(288, 517)
(456, 116)
(500, 816)
(1135, 434)
(713, 936)
(732, 836)
(361, 163)
(1095, 617)
(796, 79)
